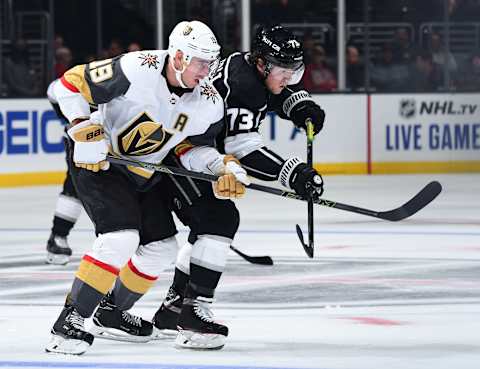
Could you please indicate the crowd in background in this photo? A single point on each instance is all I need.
(22, 80)
(399, 65)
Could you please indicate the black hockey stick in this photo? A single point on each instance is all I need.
(261, 260)
(309, 249)
(418, 202)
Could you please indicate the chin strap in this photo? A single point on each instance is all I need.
(178, 73)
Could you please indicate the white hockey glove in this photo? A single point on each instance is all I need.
(231, 185)
(90, 150)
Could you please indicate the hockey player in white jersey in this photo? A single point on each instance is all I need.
(149, 103)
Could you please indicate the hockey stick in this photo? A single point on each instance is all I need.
(418, 202)
(261, 260)
(309, 249)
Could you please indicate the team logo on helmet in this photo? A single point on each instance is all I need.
(149, 60)
(293, 43)
(209, 92)
(187, 30)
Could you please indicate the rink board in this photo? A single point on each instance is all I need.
(381, 133)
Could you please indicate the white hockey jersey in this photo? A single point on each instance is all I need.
(141, 117)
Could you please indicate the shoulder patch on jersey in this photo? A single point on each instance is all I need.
(209, 92)
(150, 60)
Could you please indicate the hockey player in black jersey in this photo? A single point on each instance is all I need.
(251, 84)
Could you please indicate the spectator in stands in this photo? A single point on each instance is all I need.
(318, 77)
(402, 46)
(134, 46)
(278, 11)
(63, 58)
(387, 75)
(58, 42)
(470, 77)
(288, 11)
(355, 69)
(90, 58)
(20, 77)
(308, 46)
(425, 76)
(115, 48)
(441, 56)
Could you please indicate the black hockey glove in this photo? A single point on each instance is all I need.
(303, 179)
(308, 109)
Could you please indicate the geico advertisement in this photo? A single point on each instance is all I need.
(30, 137)
(441, 127)
(342, 140)
(31, 134)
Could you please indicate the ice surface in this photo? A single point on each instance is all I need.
(376, 295)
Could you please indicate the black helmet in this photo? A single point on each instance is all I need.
(277, 46)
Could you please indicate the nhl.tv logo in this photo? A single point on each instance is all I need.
(407, 108)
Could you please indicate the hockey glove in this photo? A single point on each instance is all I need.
(90, 149)
(232, 183)
(304, 180)
(308, 110)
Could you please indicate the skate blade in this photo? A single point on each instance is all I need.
(117, 335)
(199, 341)
(163, 334)
(60, 345)
(57, 259)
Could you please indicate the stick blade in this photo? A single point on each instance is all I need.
(417, 203)
(259, 260)
(308, 249)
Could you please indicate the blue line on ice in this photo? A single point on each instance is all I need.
(97, 365)
(284, 231)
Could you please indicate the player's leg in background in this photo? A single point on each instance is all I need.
(213, 223)
(67, 211)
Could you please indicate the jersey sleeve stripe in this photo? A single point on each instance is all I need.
(182, 148)
(272, 156)
(76, 78)
(69, 85)
(225, 79)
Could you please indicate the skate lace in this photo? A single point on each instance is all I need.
(202, 310)
(132, 319)
(171, 295)
(76, 320)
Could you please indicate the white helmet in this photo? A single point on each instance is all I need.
(194, 39)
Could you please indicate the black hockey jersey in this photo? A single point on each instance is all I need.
(247, 101)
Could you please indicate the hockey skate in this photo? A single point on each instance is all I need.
(58, 251)
(68, 334)
(196, 328)
(111, 323)
(166, 318)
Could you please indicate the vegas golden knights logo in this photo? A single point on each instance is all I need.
(142, 137)
(187, 30)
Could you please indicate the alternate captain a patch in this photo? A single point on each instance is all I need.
(149, 60)
(209, 92)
